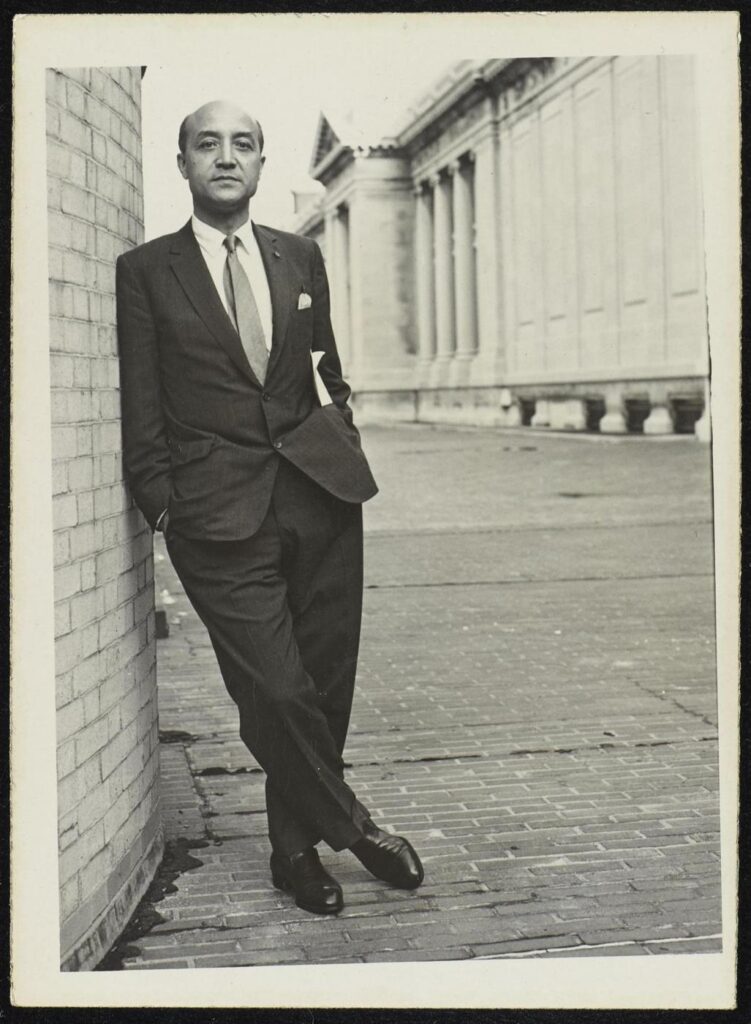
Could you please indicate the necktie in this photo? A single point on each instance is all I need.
(244, 310)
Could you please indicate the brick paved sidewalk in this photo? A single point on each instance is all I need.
(535, 710)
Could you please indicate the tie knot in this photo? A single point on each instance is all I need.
(230, 243)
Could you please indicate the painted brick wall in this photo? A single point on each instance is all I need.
(107, 734)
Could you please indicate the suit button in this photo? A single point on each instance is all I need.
(277, 444)
(266, 396)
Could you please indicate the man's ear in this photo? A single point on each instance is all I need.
(181, 165)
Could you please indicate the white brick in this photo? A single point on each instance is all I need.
(116, 751)
(64, 442)
(62, 618)
(86, 674)
(80, 474)
(75, 132)
(82, 538)
(77, 201)
(69, 897)
(91, 706)
(70, 721)
(61, 370)
(95, 869)
(85, 507)
(66, 758)
(74, 98)
(93, 807)
(63, 689)
(85, 608)
(90, 739)
(88, 573)
(61, 548)
(59, 478)
(116, 816)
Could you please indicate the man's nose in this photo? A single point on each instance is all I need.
(226, 153)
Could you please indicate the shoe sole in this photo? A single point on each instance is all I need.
(284, 886)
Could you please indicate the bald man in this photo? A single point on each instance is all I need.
(256, 476)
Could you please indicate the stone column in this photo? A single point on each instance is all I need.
(357, 269)
(464, 271)
(424, 271)
(328, 245)
(488, 366)
(444, 278)
(340, 286)
(329, 224)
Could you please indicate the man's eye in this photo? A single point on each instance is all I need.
(207, 144)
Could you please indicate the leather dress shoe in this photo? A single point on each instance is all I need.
(390, 858)
(302, 873)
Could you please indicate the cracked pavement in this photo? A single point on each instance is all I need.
(536, 711)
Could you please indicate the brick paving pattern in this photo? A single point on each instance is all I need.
(536, 710)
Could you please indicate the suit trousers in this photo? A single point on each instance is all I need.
(283, 610)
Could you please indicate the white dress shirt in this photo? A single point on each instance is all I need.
(214, 252)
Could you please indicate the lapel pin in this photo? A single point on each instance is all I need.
(278, 255)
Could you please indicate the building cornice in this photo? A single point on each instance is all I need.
(489, 78)
(333, 163)
(437, 104)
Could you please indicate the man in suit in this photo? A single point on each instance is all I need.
(258, 486)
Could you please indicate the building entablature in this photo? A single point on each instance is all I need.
(469, 108)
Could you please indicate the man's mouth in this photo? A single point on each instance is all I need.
(225, 177)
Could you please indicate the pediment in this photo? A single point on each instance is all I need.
(326, 141)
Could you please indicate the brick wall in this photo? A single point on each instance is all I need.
(104, 649)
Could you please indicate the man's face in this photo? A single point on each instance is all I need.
(222, 160)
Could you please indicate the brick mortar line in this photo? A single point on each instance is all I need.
(538, 582)
(622, 746)
(665, 698)
(461, 758)
(458, 531)
(640, 944)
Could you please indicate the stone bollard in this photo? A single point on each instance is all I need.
(541, 417)
(659, 421)
(614, 420)
(569, 414)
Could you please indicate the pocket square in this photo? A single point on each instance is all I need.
(305, 301)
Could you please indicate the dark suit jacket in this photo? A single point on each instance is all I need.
(201, 436)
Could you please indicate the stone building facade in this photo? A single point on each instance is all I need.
(108, 808)
(524, 249)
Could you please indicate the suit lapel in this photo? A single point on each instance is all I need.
(193, 274)
(281, 289)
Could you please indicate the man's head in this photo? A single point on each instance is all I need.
(221, 156)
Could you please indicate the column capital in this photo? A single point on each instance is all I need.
(453, 167)
(418, 189)
(434, 179)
